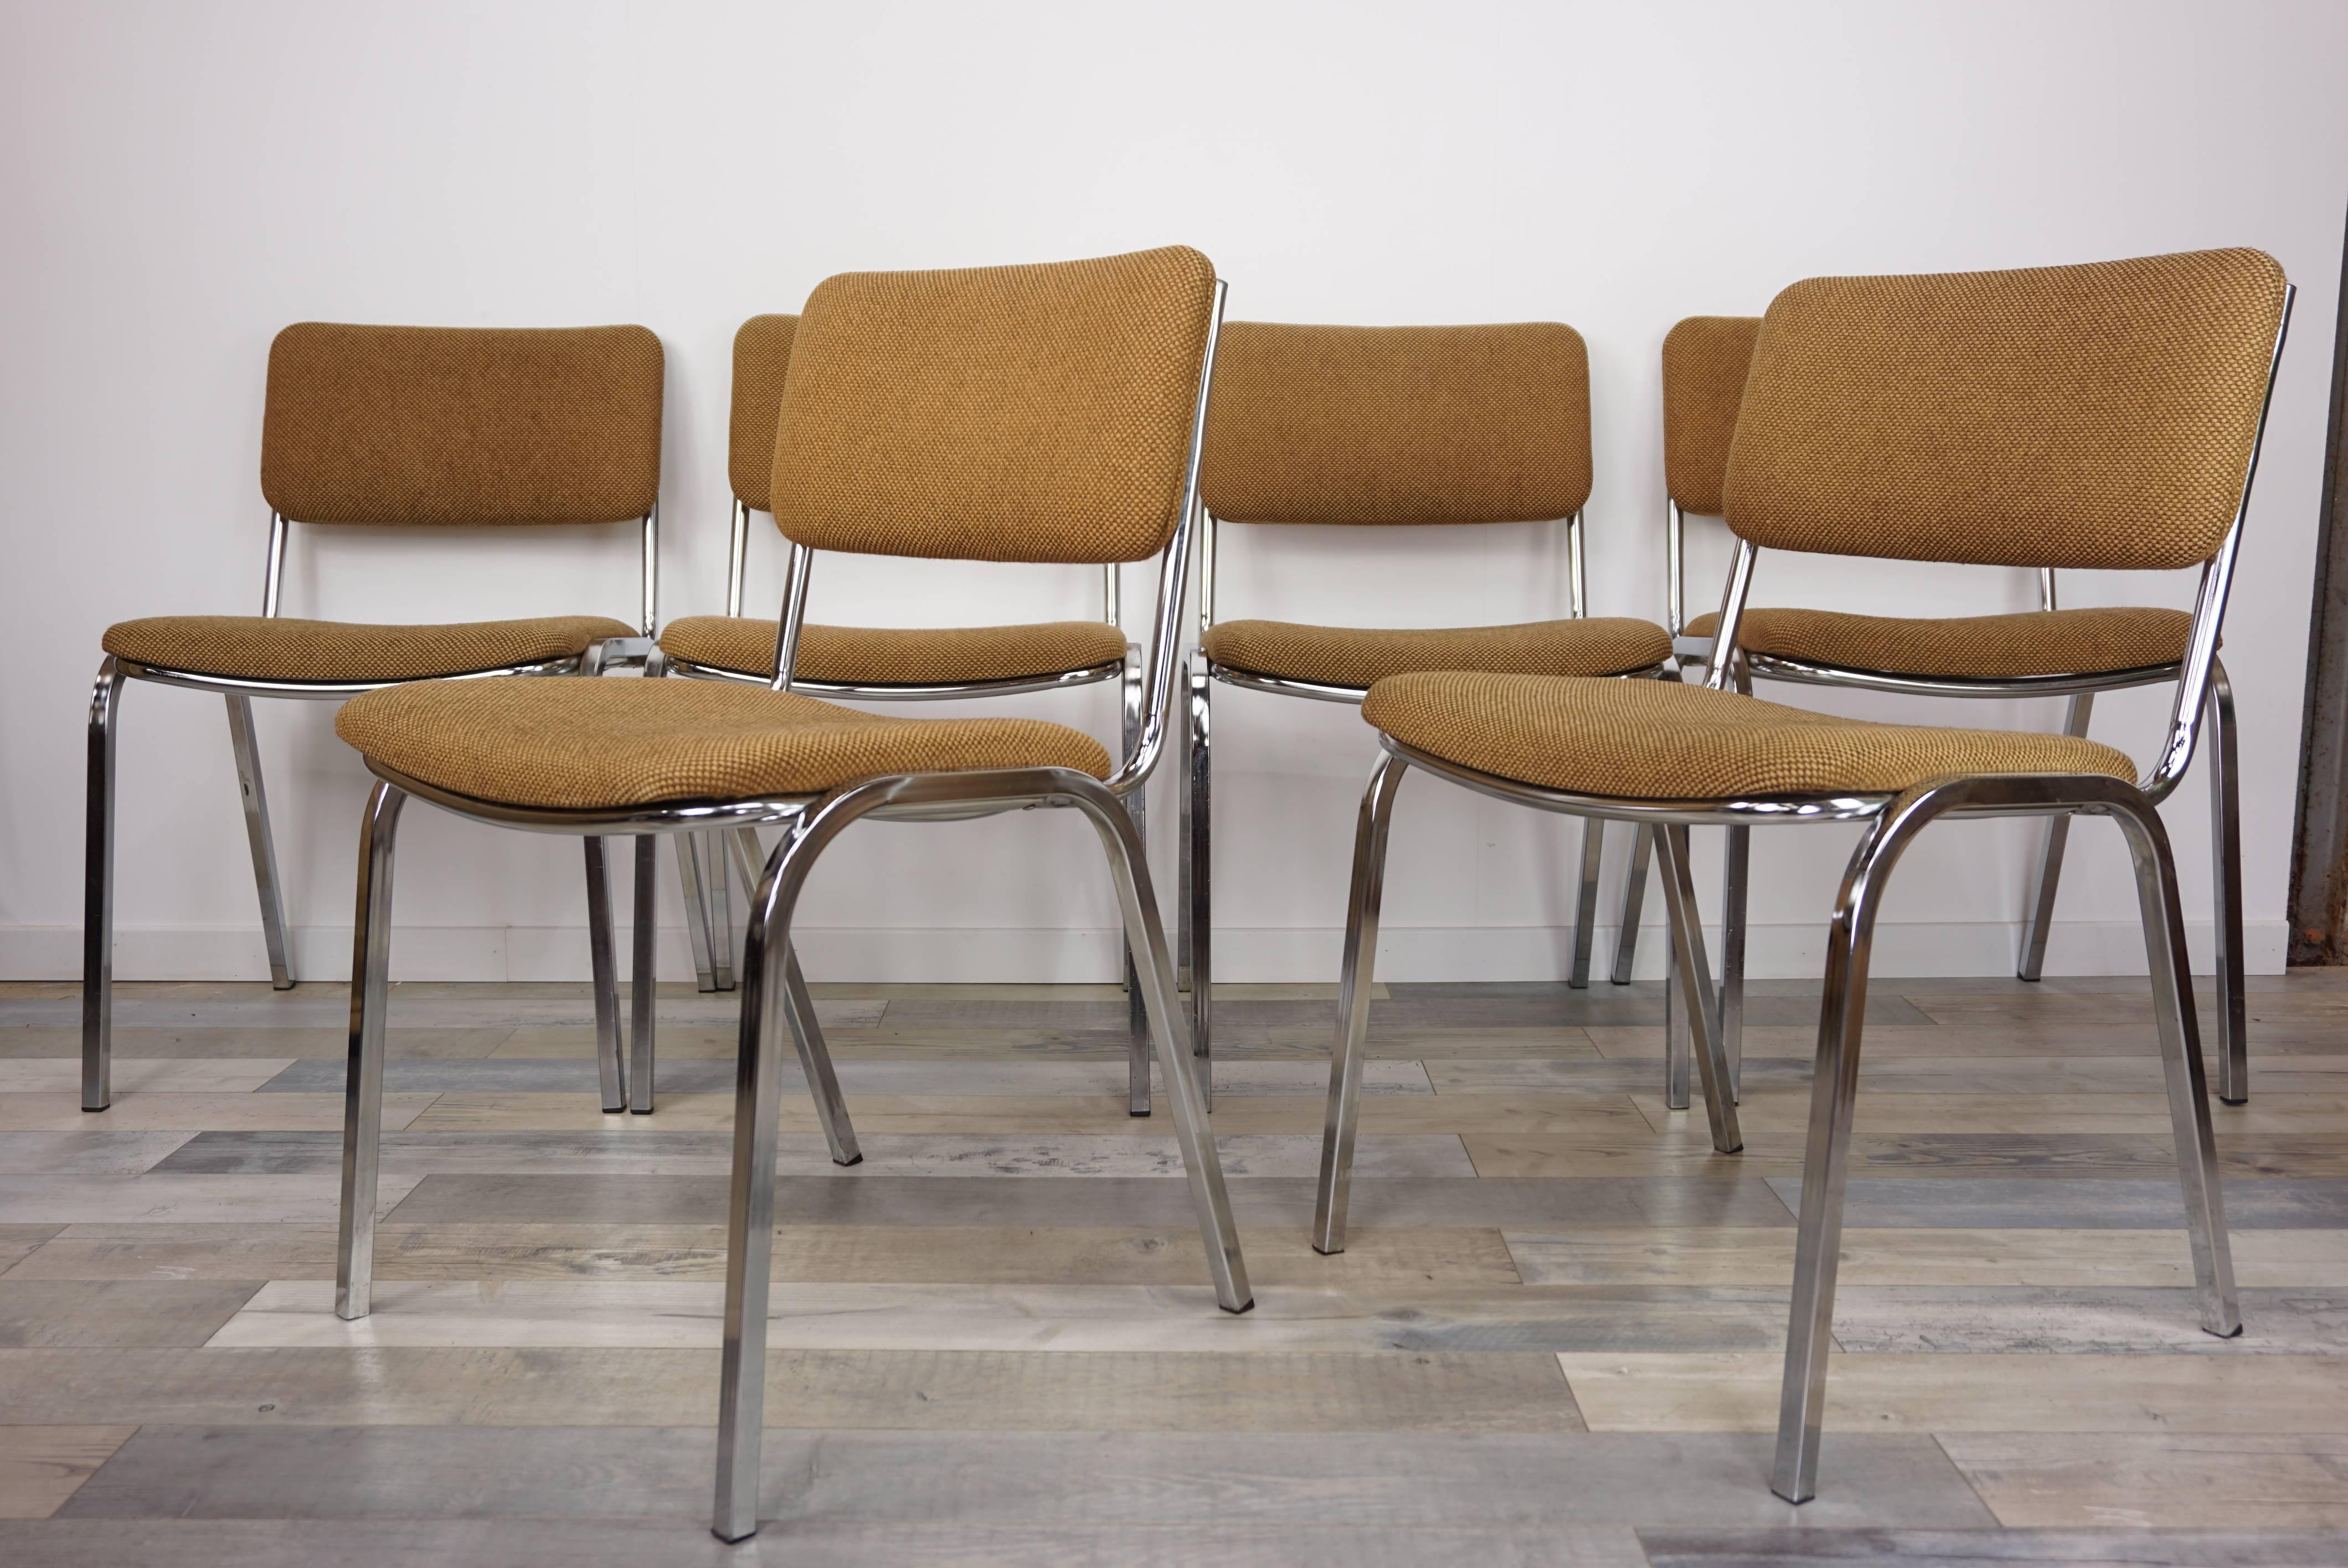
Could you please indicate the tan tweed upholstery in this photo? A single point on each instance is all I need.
(1976, 647)
(1345, 656)
(1704, 361)
(1020, 414)
(1398, 424)
(2098, 416)
(1658, 740)
(276, 647)
(580, 744)
(875, 655)
(762, 357)
(461, 424)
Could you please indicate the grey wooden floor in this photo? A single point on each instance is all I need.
(1554, 1339)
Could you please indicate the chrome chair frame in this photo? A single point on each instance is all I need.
(708, 898)
(1195, 899)
(105, 725)
(772, 983)
(1892, 822)
(2224, 812)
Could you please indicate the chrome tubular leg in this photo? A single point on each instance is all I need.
(2180, 1056)
(1136, 1011)
(1354, 982)
(1679, 1029)
(1834, 1090)
(2226, 847)
(642, 979)
(1634, 897)
(97, 896)
(610, 1067)
(1198, 868)
(362, 1079)
(721, 910)
(1696, 995)
(815, 1060)
(256, 833)
(1192, 1131)
(750, 1209)
(1585, 904)
(1734, 896)
(2038, 920)
(696, 908)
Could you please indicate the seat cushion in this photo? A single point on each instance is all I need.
(888, 656)
(1350, 656)
(274, 647)
(575, 744)
(1658, 740)
(1975, 647)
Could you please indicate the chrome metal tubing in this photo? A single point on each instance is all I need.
(317, 690)
(97, 891)
(1736, 881)
(1197, 875)
(719, 884)
(651, 627)
(2038, 920)
(1585, 904)
(750, 1212)
(1111, 582)
(1356, 980)
(1634, 898)
(807, 1030)
(273, 579)
(1732, 596)
(255, 796)
(737, 557)
(643, 989)
(800, 564)
(1695, 1001)
(1132, 694)
(2046, 588)
(363, 1077)
(610, 1065)
(697, 932)
(1674, 569)
(2225, 769)
(1576, 590)
(1776, 667)
(879, 691)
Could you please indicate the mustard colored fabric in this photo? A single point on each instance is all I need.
(762, 358)
(278, 647)
(1348, 656)
(875, 655)
(2094, 642)
(1705, 359)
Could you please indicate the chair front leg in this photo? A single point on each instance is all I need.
(2180, 1060)
(97, 893)
(721, 910)
(1695, 991)
(1136, 1011)
(1634, 897)
(807, 1032)
(1355, 983)
(610, 1066)
(643, 982)
(1585, 904)
(2226, 849)
(363, 1077)
(2038, 920)
(242, 745)
(1197, 892)
(1735, 880)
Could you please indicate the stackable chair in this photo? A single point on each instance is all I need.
(886, 664)
(2099, 416)
(2045, 652)
(1404, 425)
(1046, 414)
(412, 427)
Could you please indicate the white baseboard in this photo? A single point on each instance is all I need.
(979, 954)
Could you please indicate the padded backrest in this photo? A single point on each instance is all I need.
(1398, 424)
(762, 358)
(1014, 413)
(462, 424)
(1704, 361)
(2098, 416)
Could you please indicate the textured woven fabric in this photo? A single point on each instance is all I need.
(462, 424)
(1346, 656)
(1658, 740)
(1977, 647)
(1019, 413)
(276, 648)
(762, 358)
(574, 745)
(2099, 415)
(1705, 359)
(878, 655)
(1398, 424)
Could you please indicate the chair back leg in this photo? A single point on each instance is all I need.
(642, 989)
(1132, 705)
(1690, 996)
(258, 839)
(1356, 981)
(610, 1066)
(696, 908)
(1634, 898)
(2226, 850)
(97, 894)
(1585, 903)
(2038, 920)
(815, 1062)
(363, 1076)
(1196, 895)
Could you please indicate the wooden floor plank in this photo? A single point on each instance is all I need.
(2159, 1479)
(2246, 1548)
(246, 1112)
(1987, 1202)
(42, 1466)
(255, 1200)
(45, 1314)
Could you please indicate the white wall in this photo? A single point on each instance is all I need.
(181, 179)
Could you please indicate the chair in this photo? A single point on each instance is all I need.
(2104, 416)
(411, 427)
(1401, 426)
(1047, 413)
(2045, 653)
(872, 664)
